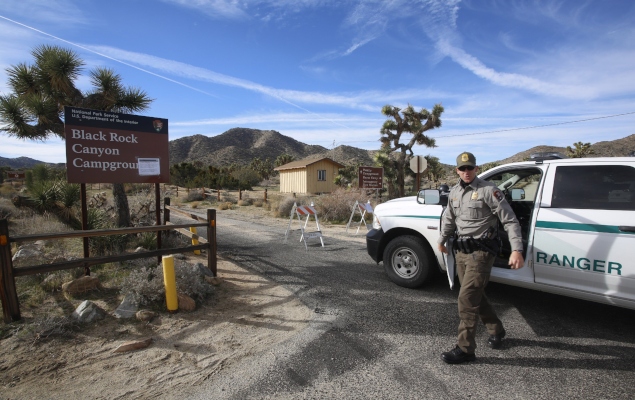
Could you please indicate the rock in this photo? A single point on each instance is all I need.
(133, 345)
(145, 315)
(186, 303)
(213, 280)
(127, 308)
(81, 285)
(203, 270)
(88, 312)
(27, 253)
(140, 250)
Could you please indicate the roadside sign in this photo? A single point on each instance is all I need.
(15, 174)
(370, 177)
(111, 147)
(418, 164)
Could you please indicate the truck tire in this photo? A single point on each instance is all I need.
(407, 262)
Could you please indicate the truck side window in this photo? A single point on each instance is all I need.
(599, 187)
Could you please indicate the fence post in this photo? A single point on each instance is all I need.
(240, 194)
(218, 193)
(8, 293)
(166, 210)
(211, 241)
(265, 195)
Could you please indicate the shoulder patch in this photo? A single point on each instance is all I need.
(499, 195)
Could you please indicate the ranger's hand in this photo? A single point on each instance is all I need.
(516, 260)
(443, 249)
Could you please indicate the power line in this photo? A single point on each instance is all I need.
(538, 126)
(513, 129)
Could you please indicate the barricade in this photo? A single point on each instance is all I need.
(304, 211)
(362, 209)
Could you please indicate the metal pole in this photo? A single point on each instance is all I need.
(418, 174)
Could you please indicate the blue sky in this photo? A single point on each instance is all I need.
(319, 71)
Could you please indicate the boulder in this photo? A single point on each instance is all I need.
(128, 307)
(145, 315)
(27, 253)
(81, 285)
(203, 270)
(88, 312)
(186, 303)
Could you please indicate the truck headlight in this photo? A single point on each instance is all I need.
(376, 223)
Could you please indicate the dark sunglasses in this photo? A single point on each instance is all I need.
(466, 167)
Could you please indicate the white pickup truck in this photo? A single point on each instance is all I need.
(578, 225)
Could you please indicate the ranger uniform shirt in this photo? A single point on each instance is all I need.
(473, 209)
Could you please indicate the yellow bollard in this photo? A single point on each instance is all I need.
(194, 241)
(169, 279)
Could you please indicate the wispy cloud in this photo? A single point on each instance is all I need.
(360, 100)
(56, 12)
(512, 80)
(219, 9)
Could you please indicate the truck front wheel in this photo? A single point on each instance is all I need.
(407, 262)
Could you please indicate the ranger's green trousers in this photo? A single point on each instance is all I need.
(474, 270)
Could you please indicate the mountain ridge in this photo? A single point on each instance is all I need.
(242, 145)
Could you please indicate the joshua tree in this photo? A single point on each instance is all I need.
(34, 110)
(411, 122)
(579, 150)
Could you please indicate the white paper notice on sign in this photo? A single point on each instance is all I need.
(149, 166)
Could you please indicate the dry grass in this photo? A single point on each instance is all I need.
(44, 307)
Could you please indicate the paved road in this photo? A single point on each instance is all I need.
(373, 339)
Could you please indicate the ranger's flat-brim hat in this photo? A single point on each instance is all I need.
(465, 159)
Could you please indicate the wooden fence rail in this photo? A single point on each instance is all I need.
(8, 292)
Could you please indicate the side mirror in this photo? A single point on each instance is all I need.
(428, 196)
(518, 194)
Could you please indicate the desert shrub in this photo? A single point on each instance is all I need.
(228, 198)
(147, 286)
(195, 195)
(144, 285)
(147, 240)
(6, 210)
(286, 205)
(338, 205)
(25, 221)
(245, 202)
(106, 245)
(225, 206)
(258, 203)
(103, 245)
(7, 191)
(41, 328)
(53, 281)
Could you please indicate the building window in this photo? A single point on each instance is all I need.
(321, 174)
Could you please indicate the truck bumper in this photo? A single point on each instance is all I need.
(373, 238)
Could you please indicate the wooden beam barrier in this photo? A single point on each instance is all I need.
(8, 292)
(189, 234)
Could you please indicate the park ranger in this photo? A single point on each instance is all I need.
(473, 211)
